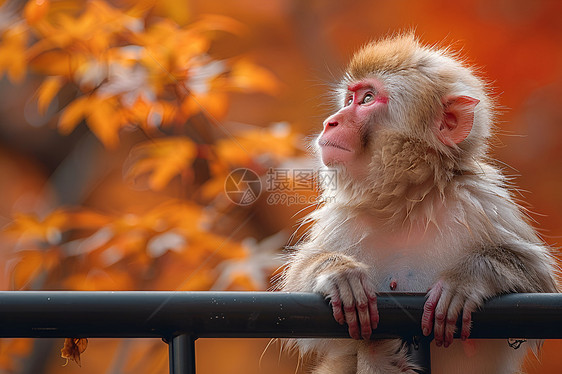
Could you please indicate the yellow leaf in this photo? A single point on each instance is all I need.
(219, 22)
(72, 349)
(105, 121)
(35, 11)
(53, 62)
(47, 91)
(173, 9)
(13, 58)
(247, 76)
(213, 103)
(162, 159)
(73, 114)
(277, 141)
(101, 114)
(85, 219)
(30, 227)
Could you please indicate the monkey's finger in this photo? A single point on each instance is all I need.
(469, 307)
(349, 309)
(336, 303)
(441, 316)
(372, 302)
(362, 306)
(337, 310)
(433, 297)
(452, 316)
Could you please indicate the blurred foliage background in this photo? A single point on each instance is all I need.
(121, 120)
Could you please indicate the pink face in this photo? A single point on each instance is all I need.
(342, 140)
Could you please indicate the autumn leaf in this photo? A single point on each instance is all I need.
(101, 115)
(72, 349)
(105, 120)
(278, 142)
(161, 159)
(54, 62)
(47, 91)
(31, 227)
(252, 269)
(82, 218)
(212, 103)
(211, 22)
(247, 76)
(73, 114)
(13, 60)
(35, 11)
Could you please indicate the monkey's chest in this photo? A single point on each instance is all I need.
(404, 280)
(409, 271)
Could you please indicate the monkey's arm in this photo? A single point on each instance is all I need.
(342, 280)
(480, 275)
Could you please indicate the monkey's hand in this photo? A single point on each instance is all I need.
(444, 303)
(346, 284)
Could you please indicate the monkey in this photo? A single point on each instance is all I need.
(416, 205)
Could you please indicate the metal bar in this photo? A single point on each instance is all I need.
(182, 354)
(250, 315)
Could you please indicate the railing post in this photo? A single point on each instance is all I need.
(418, 349)
(182, 354)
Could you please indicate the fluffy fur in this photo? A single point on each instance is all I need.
(427, 215)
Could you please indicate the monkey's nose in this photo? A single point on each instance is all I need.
(330, 124)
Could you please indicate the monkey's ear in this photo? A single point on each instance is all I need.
(457, 120)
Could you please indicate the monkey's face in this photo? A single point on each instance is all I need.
(347, 133)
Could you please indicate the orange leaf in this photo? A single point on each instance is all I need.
(222, 23)
(30, 227)
(73, 114)
(247, 76)
(72, 349)
(35, 11)
(105, 121)
(213, 103)
(162, 159)
(53, 62)
(13, 58)
(47, 91)
(85, 219)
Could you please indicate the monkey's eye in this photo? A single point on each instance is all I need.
(367, 99)
(348, 101)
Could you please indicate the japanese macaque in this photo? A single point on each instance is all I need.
(416, 206)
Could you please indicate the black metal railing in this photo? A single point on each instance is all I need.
(180, 318)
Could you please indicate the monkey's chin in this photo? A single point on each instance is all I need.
(334, 156)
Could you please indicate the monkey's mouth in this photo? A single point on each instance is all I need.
(327, 143)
